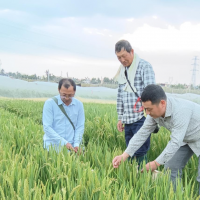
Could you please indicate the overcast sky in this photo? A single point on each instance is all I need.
(78, 37)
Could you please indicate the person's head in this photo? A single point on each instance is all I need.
(124, 52)
(154, 101)
(67, 89)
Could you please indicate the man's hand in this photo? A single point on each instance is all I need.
(120, 126)
(117, 160)
(70, 147)
(151, 166)
(76, 149)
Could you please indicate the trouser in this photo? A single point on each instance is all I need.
(130, 131)
(178, 162)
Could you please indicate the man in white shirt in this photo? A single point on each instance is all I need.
(181, 117)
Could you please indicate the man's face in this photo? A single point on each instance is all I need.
(124, 57)
(66, 94)
(155, 110)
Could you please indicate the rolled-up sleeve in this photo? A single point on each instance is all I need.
(47, 119)
(181, 121)
(79, 129)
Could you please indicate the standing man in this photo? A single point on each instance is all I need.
(182, 118)
(63, 118)
(140, 74)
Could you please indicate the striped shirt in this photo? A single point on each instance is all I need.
(126, 100)
(182, 118)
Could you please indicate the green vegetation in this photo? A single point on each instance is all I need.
(27, 171)
(181, 90)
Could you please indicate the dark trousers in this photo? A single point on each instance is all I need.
(130, 131)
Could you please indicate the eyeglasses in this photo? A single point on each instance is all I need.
(67, 96)
(140, 109)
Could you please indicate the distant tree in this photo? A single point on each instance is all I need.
(2, 71)
(12, 74)
(179, 86)
(94, 81)
(47, 72)
(76, 80)
(52, 77)
(112, 81)
(18, 75)
(106, 80)
(98, 81)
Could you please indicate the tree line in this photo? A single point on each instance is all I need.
(52, 78)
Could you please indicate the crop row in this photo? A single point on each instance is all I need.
(27, 171)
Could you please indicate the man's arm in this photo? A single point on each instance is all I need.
(180, 122)
(48, 123)
(148, 75)
(120, 108)
(79, 128)
(136, 141)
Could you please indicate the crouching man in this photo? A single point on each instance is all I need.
(63, 118)
(179, 116)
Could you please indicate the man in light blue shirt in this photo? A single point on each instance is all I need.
(59, 131)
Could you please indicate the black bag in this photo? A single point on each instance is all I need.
(157, 127)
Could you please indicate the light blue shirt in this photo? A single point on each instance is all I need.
(57, 128)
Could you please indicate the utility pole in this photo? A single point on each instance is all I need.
(194, 70)
(101, 80)
(48, 75)
(170, 81)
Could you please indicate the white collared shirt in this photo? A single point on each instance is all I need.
(182, 118)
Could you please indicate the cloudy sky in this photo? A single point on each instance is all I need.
(78, 37)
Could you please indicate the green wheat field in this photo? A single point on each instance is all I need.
(27, 171)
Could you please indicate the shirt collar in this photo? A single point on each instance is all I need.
(168, 111)
(61, 102)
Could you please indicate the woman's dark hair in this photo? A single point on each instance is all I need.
(153, 93)
(66, 82)
(123, 44)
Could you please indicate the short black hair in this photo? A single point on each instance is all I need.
(66, 82)
(123, 44)
(153, 93)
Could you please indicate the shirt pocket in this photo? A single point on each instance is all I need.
(59, 116)
(59, 122)
(74, 118)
